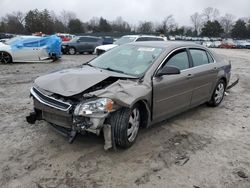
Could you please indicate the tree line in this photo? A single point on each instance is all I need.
(207, 23)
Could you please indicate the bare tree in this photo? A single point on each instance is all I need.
(145, 27)
(227, 23)
(210, 14)
(216, 14)
(167, 24)
(66, 16)
(14, 22)
(120, 25)
(93, 24)
(197, 22)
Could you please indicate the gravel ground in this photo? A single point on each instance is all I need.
(202, 148)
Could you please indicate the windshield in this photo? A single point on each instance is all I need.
(124, 40)
(74, 39)
(128, 59)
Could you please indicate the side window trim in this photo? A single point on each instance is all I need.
(168, 55)
(201, 50)
(209, 55)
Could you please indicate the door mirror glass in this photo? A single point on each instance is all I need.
(168, 70)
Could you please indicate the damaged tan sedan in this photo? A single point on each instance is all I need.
(129, 87)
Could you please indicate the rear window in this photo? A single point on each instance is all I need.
(199, 57)
(149, 39)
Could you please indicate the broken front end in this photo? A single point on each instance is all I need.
(70, 116)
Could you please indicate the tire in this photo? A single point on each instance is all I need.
(126, 123)
(5, 57)
(72, 51)
(218, 94)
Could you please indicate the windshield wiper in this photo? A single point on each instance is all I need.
(110, 69)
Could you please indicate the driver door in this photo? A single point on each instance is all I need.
(172, 93)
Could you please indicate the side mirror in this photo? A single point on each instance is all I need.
(168, 71)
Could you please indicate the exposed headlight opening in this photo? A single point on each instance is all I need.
(98, 106)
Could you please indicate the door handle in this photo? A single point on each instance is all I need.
(189, 76)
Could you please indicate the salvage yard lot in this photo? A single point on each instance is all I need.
(205, 147)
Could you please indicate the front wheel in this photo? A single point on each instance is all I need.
(126, 123)
(5, 57)
(218, 94)
(72, 51)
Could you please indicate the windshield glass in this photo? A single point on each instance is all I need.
(124, 40)
(74, 39)
(128, 59)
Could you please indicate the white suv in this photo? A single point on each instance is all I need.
(127, 39)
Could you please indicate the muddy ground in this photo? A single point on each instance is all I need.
(205, 147)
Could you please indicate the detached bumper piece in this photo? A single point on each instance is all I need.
(233, 84)
(67, 132)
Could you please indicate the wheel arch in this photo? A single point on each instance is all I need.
(224, 79)
(144, 108)
(11, 56)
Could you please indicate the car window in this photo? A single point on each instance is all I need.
(93, 39)
(211, 60)
(199, 57)
(149, 39)
(142, 39)
(178, 59)
(87, 39)
(155, 39)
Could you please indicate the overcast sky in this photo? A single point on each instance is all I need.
(132, 11)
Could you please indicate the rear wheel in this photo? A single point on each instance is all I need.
(5, 57)
(218, 94)
(126, 123)
(72, 51)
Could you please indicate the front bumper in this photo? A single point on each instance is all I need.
(64, 49)
(60, 113)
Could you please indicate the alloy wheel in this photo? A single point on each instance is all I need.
(134, 123)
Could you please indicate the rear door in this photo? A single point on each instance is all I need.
(82, 45)
(204, 74)
(93, 42)
(172, 93)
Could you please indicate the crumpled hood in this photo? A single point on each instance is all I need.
(73, 81)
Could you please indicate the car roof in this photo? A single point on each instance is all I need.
(168, 44)
(142, 36)
(87, 36)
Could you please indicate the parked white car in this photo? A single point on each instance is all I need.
(127, 39)
(30, 49)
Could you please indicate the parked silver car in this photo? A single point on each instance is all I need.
(81, 44)
(131, 86)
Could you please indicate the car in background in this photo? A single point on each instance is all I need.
(65, 36)
(107, 40)
(30, 49)
(6, 36)
(127, 39)
(229, 43)
(81, 44)
(208, 44)
(242, 44)
(216, 44)
(132, 86)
